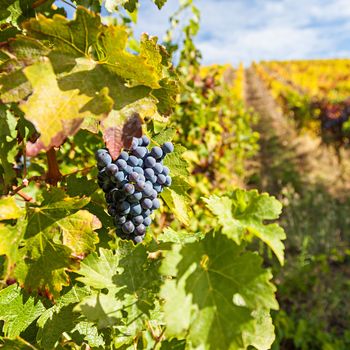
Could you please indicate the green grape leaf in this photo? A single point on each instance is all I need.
(97, 271)
(42, 265)
(78, 232)
(18, 310)
(9, 209)
(16, 344)
(59, 318)
(103, 309)
(175, 162)
(10, 238)
(160, 3)
(220, 290)
(245, 212)
(89, 332)
(178, 204)
(62, 112)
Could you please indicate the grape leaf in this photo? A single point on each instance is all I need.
(178, 204)
(246, 211)
(17, 344)
(59, 318)
(88, 332)
(9, 209)
(42, 265)
(175, 162)
(18, 310)
(219, 289)
(62, 112)
(97, 271)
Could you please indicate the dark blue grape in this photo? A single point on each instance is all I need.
(161, 179)
(140, 162)
(155, 203)
(133, 161)
(128, 170)
(103, 158)
(156, 152)
(154, 179)
(124, 208)
(140, 185)
(150, 162)
(138, 239)
(111, 169)
(118, 195)
(167, 181)
(154, 194)
(145, 140)
(158, 168)
(146, 203)
(149, 173)
(148, 189)
(147, 221)
(134, 143)
(128, 227)
(166, 170)
(168, 147)
(135, 209)
(140, 152)
(124, 155)
(158, 187)
(140, 230)
(137, 220)
(120, 220)
(146, 213)
(129, 188)
(138, 170)
(112, 211)
(135, 197)
(134, 176)
(119, 177)
(121, 163)
(142, 178)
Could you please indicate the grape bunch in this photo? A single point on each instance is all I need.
(132, 184)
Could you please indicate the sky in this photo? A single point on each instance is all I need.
(234, 31)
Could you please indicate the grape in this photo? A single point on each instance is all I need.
(133, 161)
(134, 176)
(129, 188)
(128, 227)
(149, 173)
(111, 169)
(103, 158)
(161, 179)
(124, 155)
(168, 147)
(147, 221)
(119, 176)
(135, 209)
(158, 168)
(137, 220)
(167, 181)
(131, 185)
(150, 162)
(138, 239)
(156, 152)
(140, 230)
(140, 185)
(121, 163)
(135, 197)
(140, 152)
(166, 170)
(146, 203)
(120, 220)
(155, 203)
(138, 170)
(148, 189)
(145, 140)
(134, 143)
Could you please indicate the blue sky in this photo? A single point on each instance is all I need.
(235, 31)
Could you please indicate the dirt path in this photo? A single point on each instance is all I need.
(287, 157)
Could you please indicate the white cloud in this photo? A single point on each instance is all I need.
(246, 30)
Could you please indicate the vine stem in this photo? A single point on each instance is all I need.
(53, 175)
